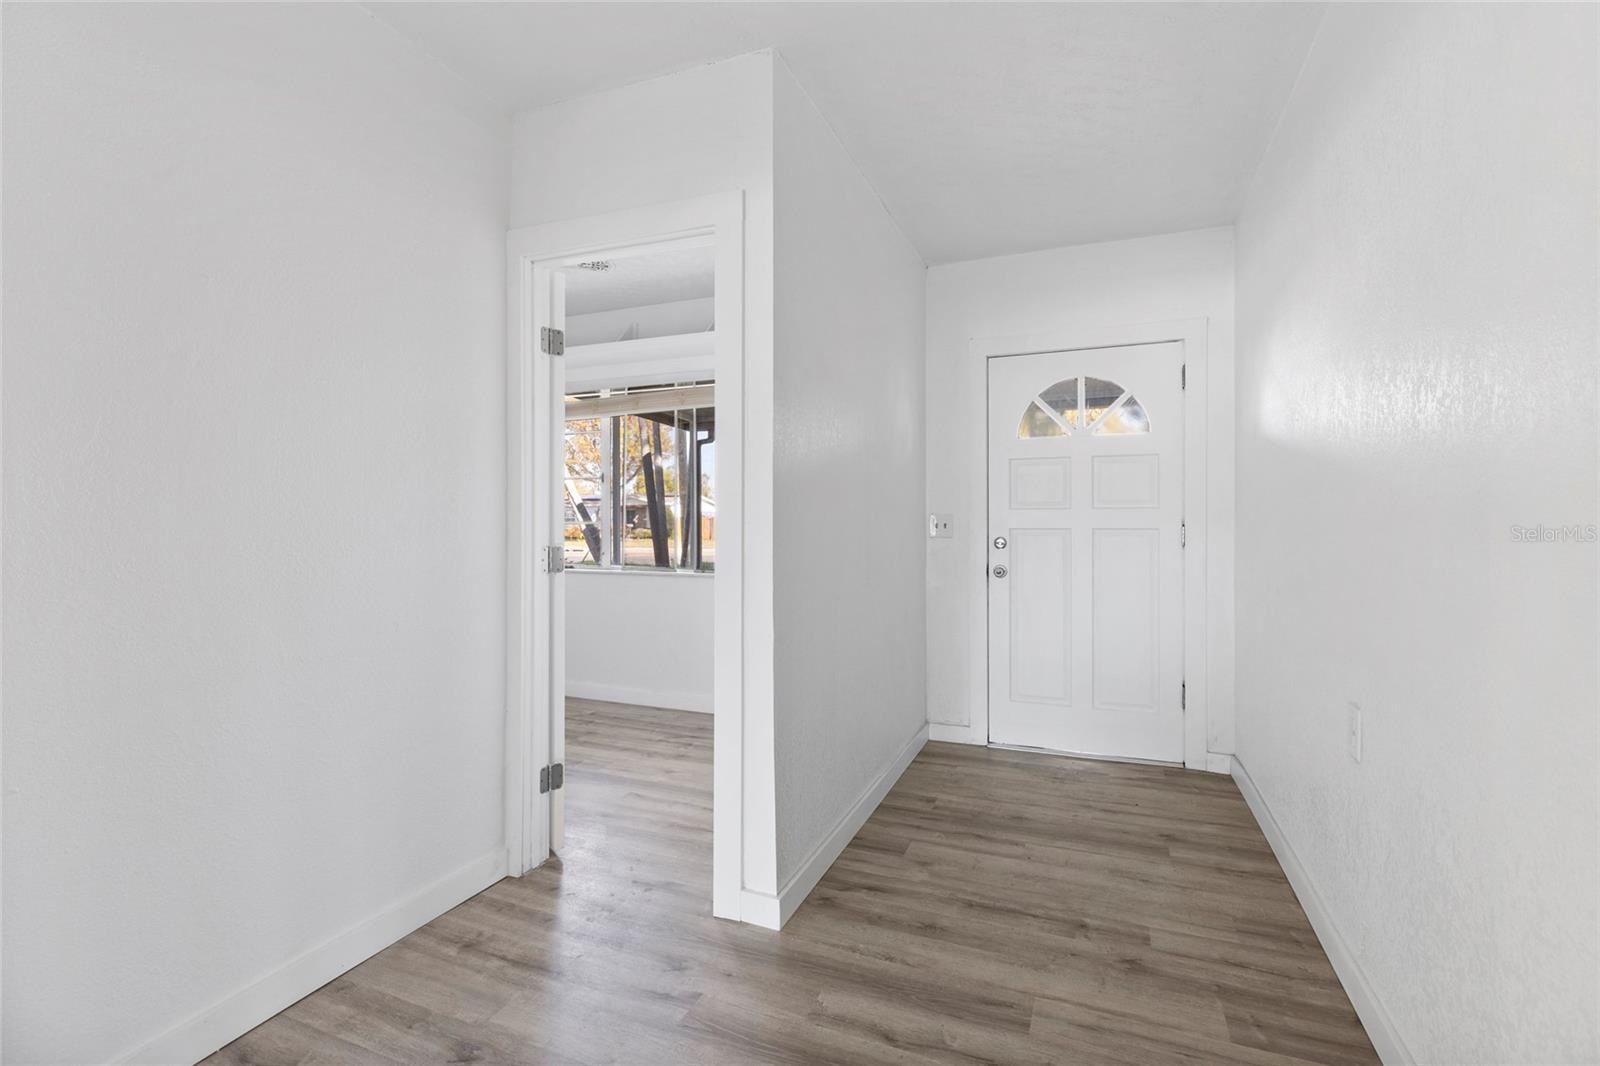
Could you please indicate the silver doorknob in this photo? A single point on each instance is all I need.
(1000, 571)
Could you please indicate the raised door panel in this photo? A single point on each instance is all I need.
(1041, 615)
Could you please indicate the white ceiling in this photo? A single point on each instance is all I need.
(687, 273)
(986, 128)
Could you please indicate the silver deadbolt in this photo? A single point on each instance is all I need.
(999, 542)
(1001, 571)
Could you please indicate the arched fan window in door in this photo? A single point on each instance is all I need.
(1083, 405)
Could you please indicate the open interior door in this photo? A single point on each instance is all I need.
(553, 342)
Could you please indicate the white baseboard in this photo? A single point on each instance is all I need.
(1380, 1027)
(758, 908)
(1218, 763)
(770, 912)
(236, 1014)
(643, 697)
(954, 734)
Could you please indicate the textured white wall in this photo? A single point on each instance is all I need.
(703, 131)
(1152, 279)
(253, 499)
(640, 637)
(1417, 374)
(847, 477)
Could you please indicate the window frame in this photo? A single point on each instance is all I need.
(611, 407)
(1076, 419)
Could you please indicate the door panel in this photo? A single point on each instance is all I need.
(1041, 483)
(1085, 513)
(1127, 480)
(1127, 618)
(1041, 612)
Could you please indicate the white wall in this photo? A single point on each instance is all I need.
(640, 637)
(703, 131)
(1417, 375)
(1152, 279)
(253, 498)
(848, 481)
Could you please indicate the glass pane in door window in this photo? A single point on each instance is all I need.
(1062, 398)
(1098, 394)
(1129, 418)
(1037, 423)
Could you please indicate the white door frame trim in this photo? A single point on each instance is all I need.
(530, 468)
(1191, 332)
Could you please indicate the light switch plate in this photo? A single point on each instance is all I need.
(941, 526)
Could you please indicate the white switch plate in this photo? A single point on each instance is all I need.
(1355, 731)
(941, 526)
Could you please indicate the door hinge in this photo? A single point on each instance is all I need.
(555, 559)
(1183, 375)
(1183, 696)
(551, 778)
(1183, 534)
(552, 341)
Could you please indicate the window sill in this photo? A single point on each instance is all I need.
(640, 571)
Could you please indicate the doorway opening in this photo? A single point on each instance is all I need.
(638, 484)
(624, 476)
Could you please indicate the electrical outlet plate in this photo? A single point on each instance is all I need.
(1354, 730)
(941, 526)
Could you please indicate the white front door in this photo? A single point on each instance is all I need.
(1085, 551)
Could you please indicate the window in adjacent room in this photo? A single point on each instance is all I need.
(639, 467)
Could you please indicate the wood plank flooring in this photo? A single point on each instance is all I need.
(999, 907)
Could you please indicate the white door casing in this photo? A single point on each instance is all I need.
(1086, 508)
(534, 410)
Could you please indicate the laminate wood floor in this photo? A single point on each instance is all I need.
(999, 907)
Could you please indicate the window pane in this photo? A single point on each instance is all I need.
(1129, 418)
(582, 495)
(708, 501)
(1036, 423)
(1098, 394)
(1062, 398)
(637, 490)
(650, 476)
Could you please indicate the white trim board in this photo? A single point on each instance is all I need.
(771, 912)
(954, 734)
(1216, 762)
(1380, 1026)
(240, 1011)
(699, 702)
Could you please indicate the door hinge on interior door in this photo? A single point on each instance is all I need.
(1183, 534)
(1183, 375)
(555, 559)
(1183, 696)
(552, 341)
(551, 778)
